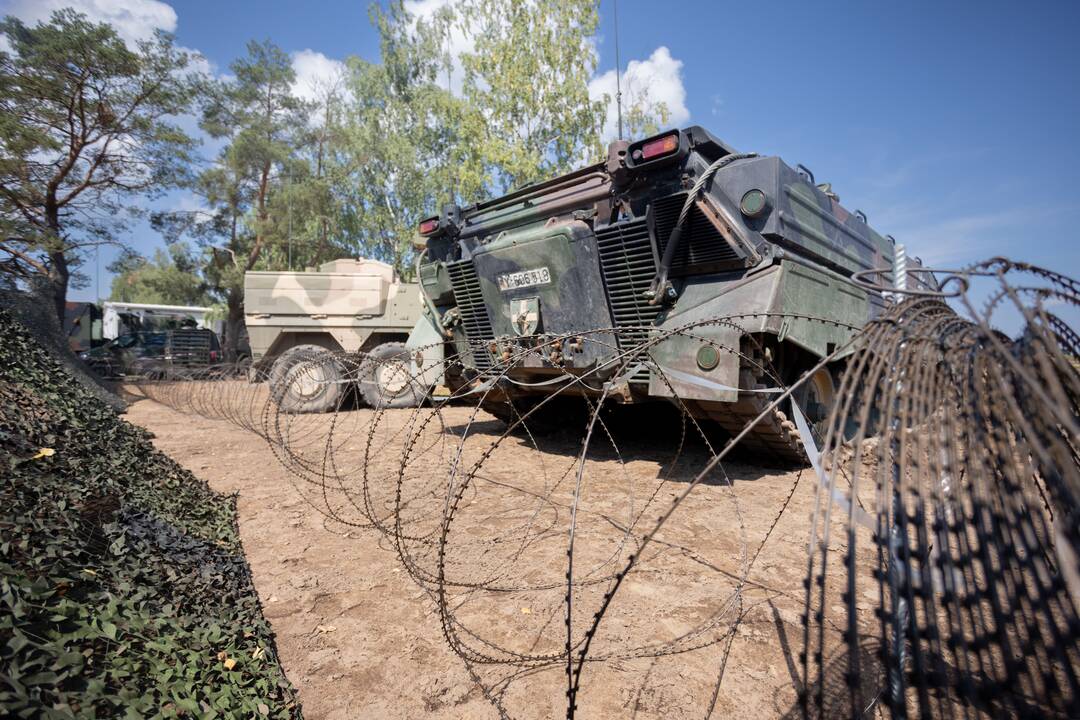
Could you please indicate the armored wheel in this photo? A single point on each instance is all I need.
(386, 379)
(815, 398)
(775, 437)
(307, 379)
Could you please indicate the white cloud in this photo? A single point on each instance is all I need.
(657, 79)
(133, 19)
(199, 63)
(314, 72)
(188, 202)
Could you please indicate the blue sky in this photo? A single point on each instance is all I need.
(952, 125)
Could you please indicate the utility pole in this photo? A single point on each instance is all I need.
(449, 91)
(618, 69)
(289, 212)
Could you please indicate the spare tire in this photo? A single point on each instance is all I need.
(386, 379)
(307, 379)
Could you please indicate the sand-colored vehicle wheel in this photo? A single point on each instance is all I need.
(386, 379)
(307, 379)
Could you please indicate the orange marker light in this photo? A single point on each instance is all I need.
(663, 146)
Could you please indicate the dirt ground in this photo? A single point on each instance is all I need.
(707, 624)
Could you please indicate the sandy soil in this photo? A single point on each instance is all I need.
(689, 631)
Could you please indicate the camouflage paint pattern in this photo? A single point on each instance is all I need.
(341, 306)
(553, 250)
(571, 301)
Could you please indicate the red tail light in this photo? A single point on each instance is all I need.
(429, 226)
(659, 147)
(213, 356)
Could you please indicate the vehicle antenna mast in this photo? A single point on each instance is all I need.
(618, 69)
(449, 92)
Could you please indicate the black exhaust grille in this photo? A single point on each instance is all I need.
(702, 248)
(628, 264)
(474, 316)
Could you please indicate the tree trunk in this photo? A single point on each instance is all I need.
(58, 283)
(323, 231)
(260, 213)
(234, 324)
(59, 273)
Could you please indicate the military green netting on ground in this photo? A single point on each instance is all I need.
(124, 588)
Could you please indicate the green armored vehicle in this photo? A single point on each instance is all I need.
(669, 230)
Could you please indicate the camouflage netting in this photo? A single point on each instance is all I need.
(124, 588)
(34, 310)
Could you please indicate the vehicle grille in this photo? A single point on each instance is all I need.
(190, 347)
(628, 265)
(474, 316)
(701, 248)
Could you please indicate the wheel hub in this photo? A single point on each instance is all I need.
(392, 377)
(818, 400)
(309, 381)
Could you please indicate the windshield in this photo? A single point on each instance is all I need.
(151, 340)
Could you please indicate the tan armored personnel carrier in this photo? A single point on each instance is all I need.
(299, 322)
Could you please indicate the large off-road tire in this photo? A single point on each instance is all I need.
(307, 379)
(386, 379)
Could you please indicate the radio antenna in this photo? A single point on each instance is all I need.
(618, 69)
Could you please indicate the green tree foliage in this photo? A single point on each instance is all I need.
(257, 114)
(261, 124)
(644, 117)
(313, 218)
(298, 183)
(529, 76)
(405, 147)
(84, 127)
(412, 142)
(171, 277)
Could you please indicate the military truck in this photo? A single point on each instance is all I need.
(152, 352)
(301, 325)
(669, 230)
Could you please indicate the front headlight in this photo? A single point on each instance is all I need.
(753, 203)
